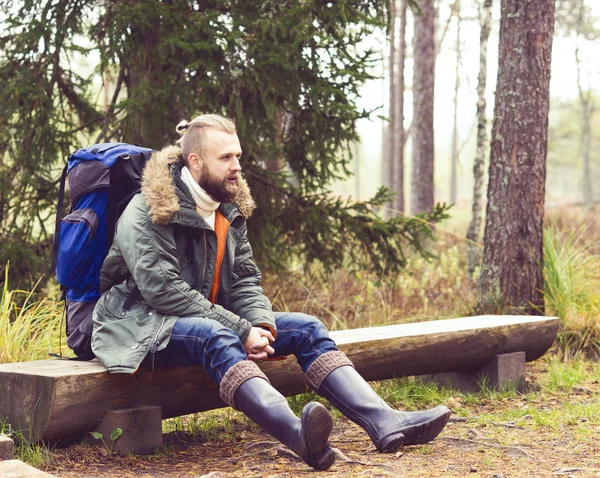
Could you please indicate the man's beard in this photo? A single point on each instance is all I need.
(218, 189)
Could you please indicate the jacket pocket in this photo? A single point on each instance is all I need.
(77, 248)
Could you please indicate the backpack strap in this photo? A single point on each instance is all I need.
(59, 210)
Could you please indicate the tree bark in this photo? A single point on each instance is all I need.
(513, 243)
(473, 251)
(392, 140)
(586, 134)
(423, 87)
(276, 164)
(454, 158)
(144, 72)
(397, 156)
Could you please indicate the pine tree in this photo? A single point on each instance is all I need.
(513, 242)
(422, 195)
(287, 72)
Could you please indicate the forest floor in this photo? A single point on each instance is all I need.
(552, 429)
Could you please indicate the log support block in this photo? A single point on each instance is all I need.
(501, 372)
(142, 430)
(7, 448)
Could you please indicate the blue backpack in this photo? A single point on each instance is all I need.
(102, 180)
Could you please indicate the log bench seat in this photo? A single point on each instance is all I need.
(52, 399)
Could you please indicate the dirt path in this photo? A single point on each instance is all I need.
(539, 434)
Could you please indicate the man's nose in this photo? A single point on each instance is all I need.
(235, 165)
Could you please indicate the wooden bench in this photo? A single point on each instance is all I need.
(52, 399)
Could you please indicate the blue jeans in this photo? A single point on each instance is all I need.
(200, 341)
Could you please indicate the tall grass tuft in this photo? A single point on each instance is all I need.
(572, 288)
(29, 328)
(34, 454)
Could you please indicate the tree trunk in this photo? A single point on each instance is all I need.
(423, 85)
(145, 119)
(454, 159)
(357, 166)
(473, 251)
(392, 140)
(513, 244)
(586, 134)
(275, 164)
(397, 157)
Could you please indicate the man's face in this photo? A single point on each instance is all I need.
(220, 166)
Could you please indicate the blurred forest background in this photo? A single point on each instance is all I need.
(574, 127)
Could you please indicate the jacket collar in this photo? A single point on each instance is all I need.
(168, 198)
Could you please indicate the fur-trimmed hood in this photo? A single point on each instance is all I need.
(159, 189)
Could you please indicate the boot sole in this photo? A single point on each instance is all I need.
(317, 425)
(415, 435)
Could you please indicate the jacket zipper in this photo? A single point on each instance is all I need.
(155, 340)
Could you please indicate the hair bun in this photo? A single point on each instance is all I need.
(182, 127)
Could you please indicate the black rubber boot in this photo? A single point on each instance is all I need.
(388, 428)
(306, 436)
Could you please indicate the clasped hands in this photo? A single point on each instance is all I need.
(258, 344)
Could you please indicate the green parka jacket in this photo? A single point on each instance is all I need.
(161, 265)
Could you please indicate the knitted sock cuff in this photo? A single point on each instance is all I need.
(235, 376)
(323, 366)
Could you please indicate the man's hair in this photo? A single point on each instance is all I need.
(192, 133)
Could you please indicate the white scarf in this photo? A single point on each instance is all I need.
(205, 205)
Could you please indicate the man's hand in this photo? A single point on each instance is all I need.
(258, 344)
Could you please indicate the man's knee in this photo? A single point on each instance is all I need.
(304, 324)
(314, 325)
(207, 330)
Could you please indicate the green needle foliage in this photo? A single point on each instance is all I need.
(288, 72)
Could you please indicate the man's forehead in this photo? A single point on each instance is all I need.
(221, 140)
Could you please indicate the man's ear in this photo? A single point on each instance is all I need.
(194, 161)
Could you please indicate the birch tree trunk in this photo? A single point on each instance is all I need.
(423, 87)
(454, 158)
(388, 167)
(513, 243)
(473, 251)
(586, 133)
(397, 158)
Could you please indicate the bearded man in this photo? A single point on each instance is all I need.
(180, 287)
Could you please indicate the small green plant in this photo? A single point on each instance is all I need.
(116, 433)
(488, 461)
(424, 450)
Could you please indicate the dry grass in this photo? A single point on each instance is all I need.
(432, 290)
(442, 289)
(29, 328)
